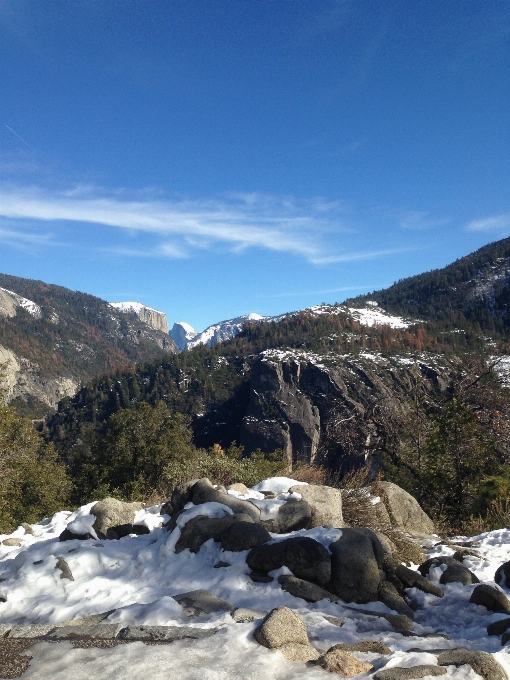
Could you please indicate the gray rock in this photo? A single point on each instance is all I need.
(92, 619)
(304, 589)
(293, 651)
(4, 630)
(202, 528)
(221, 564)
(181, 496)
(98, 631)
(164, 633)
(398, 622)
(502, 575)
(27, 527)
(325, 504)
(343, 663)
(405, 511)
(257, 577)
(204, 492)
(64, 568)
(114, 518)
(498, 627)
(245, 615)
(490, 598)
(12, 542)
(398, 673)
(458, 573)
(241, 488)
(455, 571)
(279, 627)
(481, 662)
(68, 535)
(306, 558)
(388, 594)
(199, 602)
(293, 515)
(413, 579)
(333, 620)
(367, 646)
(244, 536)
(31, 631)
(355, 573)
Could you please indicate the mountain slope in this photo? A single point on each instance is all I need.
(472, 293)
(53, 339)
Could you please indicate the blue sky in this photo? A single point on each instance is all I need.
(218, 157)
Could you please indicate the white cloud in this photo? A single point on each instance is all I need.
(358, 256)
(492, 223)
(420, 219)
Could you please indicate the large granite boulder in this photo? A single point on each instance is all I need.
(404, 511)
(114, 518)
(325, 504)
(355, 575)
(455, 571)
(204, 492)
(305, 557)
(281, 626)
(293, 515)
(491, 598)
(244, 536)
(200, 529)
(502, 575)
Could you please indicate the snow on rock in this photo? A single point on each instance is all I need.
(277, 484)
(20, 301)
(138, 577)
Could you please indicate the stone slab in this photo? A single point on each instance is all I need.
(31, 631)
(98, 631)
(4, 630)
(164, 633)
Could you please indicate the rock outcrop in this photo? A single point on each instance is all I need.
(149, 316)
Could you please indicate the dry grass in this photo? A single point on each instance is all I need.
(311, 474)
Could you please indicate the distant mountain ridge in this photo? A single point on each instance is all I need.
(53, 339)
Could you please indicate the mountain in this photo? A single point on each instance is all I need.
(53, 339)
(186, 337)
(472, 293)
(149, 316)
(281, 382)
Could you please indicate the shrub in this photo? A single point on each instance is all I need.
(33, 482)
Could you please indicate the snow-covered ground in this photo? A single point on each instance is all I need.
(137, 576)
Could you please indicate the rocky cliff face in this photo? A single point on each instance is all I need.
(149, 316)
(295, 397)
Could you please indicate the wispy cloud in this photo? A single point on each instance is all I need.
(421, 219)
(358, 255)
(492, 223)
(26, 240)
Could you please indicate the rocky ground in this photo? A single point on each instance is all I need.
(266, 582)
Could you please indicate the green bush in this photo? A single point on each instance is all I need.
(33, 482)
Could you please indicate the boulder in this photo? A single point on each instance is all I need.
(181, 496)
(388, 594)
(245, 615)
(27, 527)
(455, 571)
(304, 589)
(204, 492)
(481, 662)
(502, 575)
(404, 510)
(295, 514)
(68, 535)
(490, 598)
(343, 663)
(244, 536)
(280, 627)
(64, 568)
(12, 542)
(257, 577)
(498, 627)
(325, 504)
(306, 558)
(114, 518)
(367, 646)
(199, 602)
(458, 573)
(413, 579)
(240, 488)
(293, 651)
(201, 528)
(355, 573)
(412, 673)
